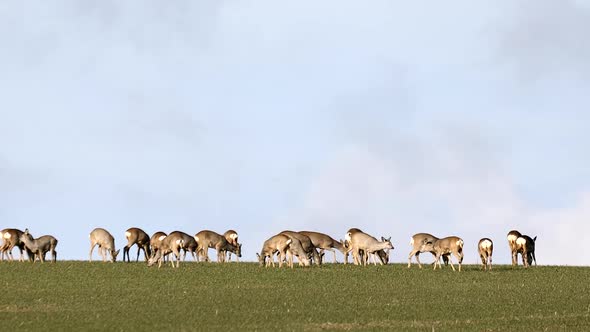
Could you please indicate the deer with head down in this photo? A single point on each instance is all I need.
(525, 245)
(308, 248)
(209, 239)
(232, 237)
(512, 236)
(105, 242)
(40, 246)
(172, 243)
(325, 242)
(12, 238)
(485, 247)
(136, 236)
(156, 242)
(278, 243)
(423, 242)
(448, 245)
(360, 241)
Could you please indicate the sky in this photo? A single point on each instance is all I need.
(467, 119)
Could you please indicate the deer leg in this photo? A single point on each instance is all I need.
(91, 249)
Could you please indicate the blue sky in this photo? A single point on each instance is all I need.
(467, 119)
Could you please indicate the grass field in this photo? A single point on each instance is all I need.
(74, 295)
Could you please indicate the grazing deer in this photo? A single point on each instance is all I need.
(232, 237)
(136, 236)
(512, 236)
(189, 245)
(525, 245)
(40, 246)
(209, 239)
(156, 241)
(11, 238)
(308, 247)
(423, 242)
(325, 242)
(485, 248)
(105, 242)
(448, 245)
(278, 243)
(368, 244)
(172, 243)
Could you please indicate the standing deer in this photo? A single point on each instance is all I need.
(189, 245)
(232, 237)
(282, 244)
(209, 239)
(423, 242)
(325, 242)
(105, 242)
(11, 238)
(278, 243)
(485, 248)
(156, 242)
(172, 243)
(308, 247)
(368, 244)
(512, 236)
(448, 245)
(40, 246)
(136, 236)
(525, 245)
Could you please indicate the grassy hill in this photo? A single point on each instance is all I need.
(73, 295)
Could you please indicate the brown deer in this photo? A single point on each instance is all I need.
(136, 236)
(105, 242)
(485, 247)
(512, 236)
(156, 241)
(172, 243)
(189, 245)
(40, 246)
(423, 242)
(232, 237)
(208, 239)
(325, 242)
(308, 248)
(11, 238)
(525, 245)
(278, 243)
(360, 241)
(448, 245)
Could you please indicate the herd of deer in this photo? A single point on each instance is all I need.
(307, 246)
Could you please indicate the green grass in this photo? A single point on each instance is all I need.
(207, 296)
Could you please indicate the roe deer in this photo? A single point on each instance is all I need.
(209, 239)
(40, 246)
(512, 236)
(11, 238)
(485, 247)
(172, 243)
(232, 237)
(423, 242)
(360, 240)
(278, 243)
(525, 245)
(308, 248)
(156, 242)
(105, 242)
(448, 245)
(325, 242)
(136, 236)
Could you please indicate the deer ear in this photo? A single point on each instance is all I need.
(258, 255)
(535, 239)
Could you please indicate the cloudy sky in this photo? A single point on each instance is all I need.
(468, 119)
